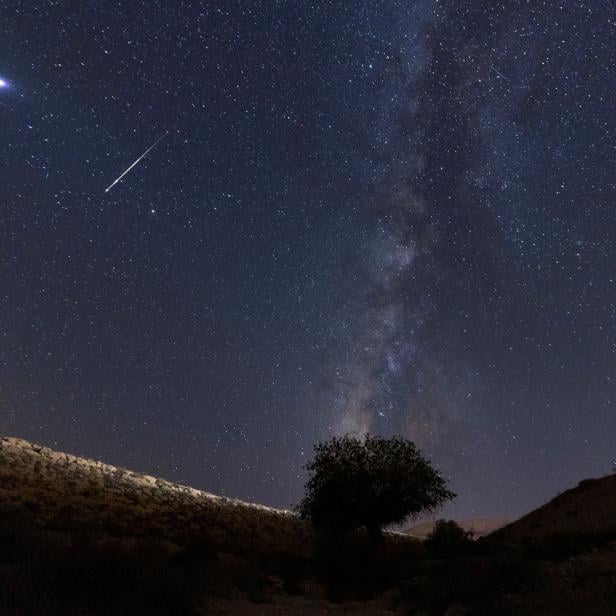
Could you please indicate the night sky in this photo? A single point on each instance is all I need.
(375, 215)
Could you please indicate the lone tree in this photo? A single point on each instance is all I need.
(369, 482)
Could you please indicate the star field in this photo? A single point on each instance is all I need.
(375, 216)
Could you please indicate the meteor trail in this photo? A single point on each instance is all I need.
(499, 73)
(142, 156)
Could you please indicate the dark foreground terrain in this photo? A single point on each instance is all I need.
(81, 537)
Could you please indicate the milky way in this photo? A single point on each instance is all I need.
(390, 217)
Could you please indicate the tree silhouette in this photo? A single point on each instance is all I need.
(369, 482)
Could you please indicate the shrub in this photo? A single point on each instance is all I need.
(448, 538)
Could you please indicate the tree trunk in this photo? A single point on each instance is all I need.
(376, 533)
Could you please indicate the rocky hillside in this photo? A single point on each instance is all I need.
(588, 509)
(68, 491)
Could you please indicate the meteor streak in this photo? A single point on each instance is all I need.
(142, 156)
(499, 73)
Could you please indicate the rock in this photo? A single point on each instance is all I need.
(273, 584)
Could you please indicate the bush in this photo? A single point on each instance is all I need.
(371, 483)
(448, 538)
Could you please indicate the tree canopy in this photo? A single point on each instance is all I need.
(370, 482)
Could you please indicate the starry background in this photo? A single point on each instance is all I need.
(375, 215)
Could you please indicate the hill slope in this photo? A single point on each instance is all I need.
(587, 509)
(65, 491)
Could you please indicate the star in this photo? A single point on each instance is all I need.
(369, 247)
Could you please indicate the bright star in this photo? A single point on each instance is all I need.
(3, 83)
